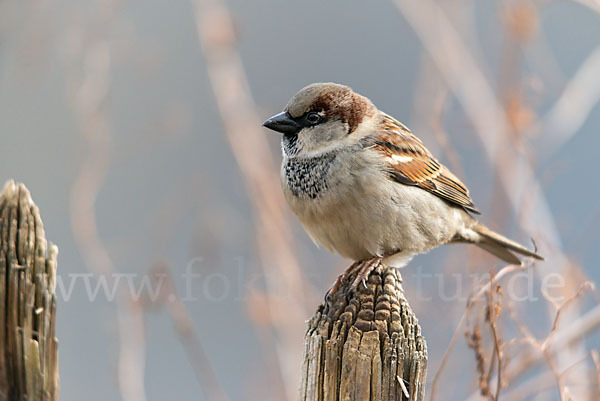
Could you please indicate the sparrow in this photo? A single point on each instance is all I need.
(364, 186)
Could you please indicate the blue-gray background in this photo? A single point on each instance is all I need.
(173, 190)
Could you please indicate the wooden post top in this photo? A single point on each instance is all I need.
(365, 345)
(28, 347)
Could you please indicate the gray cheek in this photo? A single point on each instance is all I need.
(308, 139)
(328, 132)
(321, 136)
(327, 135)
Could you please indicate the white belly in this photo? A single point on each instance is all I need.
(364, 215)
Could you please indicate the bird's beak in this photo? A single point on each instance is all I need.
(283, 123)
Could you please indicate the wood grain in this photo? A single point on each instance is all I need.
(28, 347)
(361, 345)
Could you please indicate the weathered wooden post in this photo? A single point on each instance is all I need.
(28, 347)
(365, 345)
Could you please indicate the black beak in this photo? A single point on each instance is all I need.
(283, 123)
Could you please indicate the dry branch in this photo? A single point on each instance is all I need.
(365, 345)
(467, 80)
(286, 286)
(28, 347)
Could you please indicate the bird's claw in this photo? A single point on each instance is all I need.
(365, 269)
(340, 279)
(362, 269)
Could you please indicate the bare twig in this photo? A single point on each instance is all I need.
(494, 312)
(546, 349)
(466, 79)
(587, 286)
(189, 338)
(242, 128)
(132, 352)
(536, 385)
(571, 110)
(485, 288)
(591, 4)
(475, 342)
(596, 360)
(90, 99)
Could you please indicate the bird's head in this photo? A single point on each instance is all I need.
(321, 118)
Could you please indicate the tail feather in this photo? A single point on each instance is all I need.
(501, 246)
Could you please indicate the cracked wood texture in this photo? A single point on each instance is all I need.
(365, 345)
(28, 347)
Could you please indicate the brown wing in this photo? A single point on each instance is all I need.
(412, 164)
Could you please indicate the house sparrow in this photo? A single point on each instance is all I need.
(364, 186)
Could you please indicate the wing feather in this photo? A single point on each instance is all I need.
(412, 164)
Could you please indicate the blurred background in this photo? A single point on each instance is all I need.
(182, 275)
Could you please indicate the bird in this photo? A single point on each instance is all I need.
(365, 187)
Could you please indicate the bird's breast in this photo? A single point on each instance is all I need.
(307, 178)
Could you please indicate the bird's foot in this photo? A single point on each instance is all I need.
(364, 269)
(340, 279)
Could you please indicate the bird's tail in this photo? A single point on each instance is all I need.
(500, 246)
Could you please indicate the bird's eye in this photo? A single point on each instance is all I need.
(313, 117)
